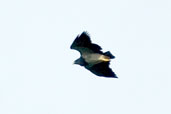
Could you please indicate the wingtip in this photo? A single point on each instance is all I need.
(113, 76)
(110, 77)
(85, 33)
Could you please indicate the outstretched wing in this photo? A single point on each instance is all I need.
(102, 69)
(83, 44)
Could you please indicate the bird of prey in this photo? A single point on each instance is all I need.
(92, 58)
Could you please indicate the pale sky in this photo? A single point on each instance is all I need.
(37, 75)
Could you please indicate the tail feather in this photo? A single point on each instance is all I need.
(109, 54)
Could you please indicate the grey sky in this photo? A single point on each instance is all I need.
(36, 71)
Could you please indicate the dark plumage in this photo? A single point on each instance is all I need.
(92, 58)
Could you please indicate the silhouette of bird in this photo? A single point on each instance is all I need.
(92, 58)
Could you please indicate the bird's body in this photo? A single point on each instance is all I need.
(95, 58)
(92, 58)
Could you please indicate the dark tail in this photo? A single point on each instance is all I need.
(109, 54)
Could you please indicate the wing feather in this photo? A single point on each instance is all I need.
(83, 44)
(102, 69)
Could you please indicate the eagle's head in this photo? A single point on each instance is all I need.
(80, 62)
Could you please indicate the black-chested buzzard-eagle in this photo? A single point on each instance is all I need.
(92, 58)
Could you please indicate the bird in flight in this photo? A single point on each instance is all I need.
(92, 58)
